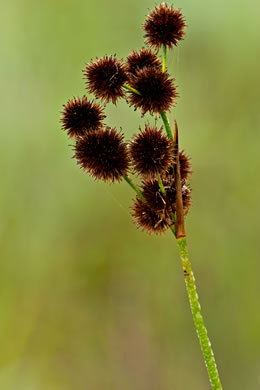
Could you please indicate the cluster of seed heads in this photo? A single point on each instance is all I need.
(102, 151)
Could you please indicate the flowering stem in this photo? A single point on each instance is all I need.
(126, 86)
(164, 58)
(134, 187)
(166, 124)
(197, 315)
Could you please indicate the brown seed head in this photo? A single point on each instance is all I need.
(151, 152)
(105, 78)
(164, 26)
(81, 116)
(157, 90)
(147, 219)
(139, 60)
(103, 154)
(154, 215)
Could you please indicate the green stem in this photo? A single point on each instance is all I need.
(164, 58)
(197, 315)
(126, 86)
(163, 114)
(135, 188)
(166, 124)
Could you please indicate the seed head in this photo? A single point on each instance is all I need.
(157, 90)
(103, 154)
(105, 78)
(81, 116)
(151, 152)
(141, 59)
(154, 215)
(147, 219)
(164, 26)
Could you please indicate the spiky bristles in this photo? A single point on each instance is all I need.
(138, 60)
(164, 26)
(157, 90)
(147, 219)
(185, 165)
(103, 154)
(155, 198)
(152, 153)
(155, 214)
(81, 116)
(105, 78)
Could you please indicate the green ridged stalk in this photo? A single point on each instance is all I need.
(164, 54)
(197, 315)
(166, 124)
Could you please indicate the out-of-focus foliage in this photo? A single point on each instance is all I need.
(86, 300)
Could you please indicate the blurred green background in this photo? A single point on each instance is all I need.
(86, 300)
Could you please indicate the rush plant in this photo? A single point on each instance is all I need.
(164, 197)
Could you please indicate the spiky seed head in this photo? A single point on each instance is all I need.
(157, 90)
(152, 152)
(81, 116)
(138, 60)
(105, 78)
(154, 215)
(164, 26)
(147, 219)
(103, 154)
(185, 165)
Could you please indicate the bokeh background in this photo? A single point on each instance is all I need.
(86, 300)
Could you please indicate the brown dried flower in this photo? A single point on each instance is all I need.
(151, 152)
(154, 215)
(105, 78)
(139, 60)
(157, 90)
(81, 116)
(147, 219)
(164, 26)
(103, 154)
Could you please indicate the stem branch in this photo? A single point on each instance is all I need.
(126, 86)
(164, 58)
(135, 188)
(166, 124)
